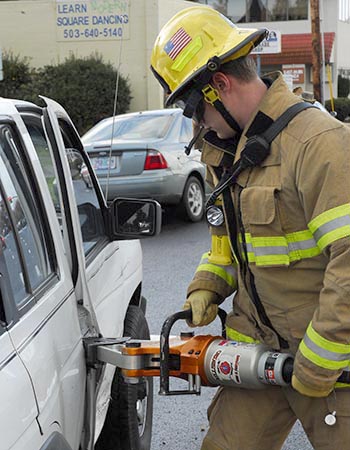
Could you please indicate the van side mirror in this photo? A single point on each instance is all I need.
(134, 218)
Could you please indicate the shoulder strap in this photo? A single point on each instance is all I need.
(284, 119)
(257, 148)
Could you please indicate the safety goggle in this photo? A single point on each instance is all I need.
(193, 106)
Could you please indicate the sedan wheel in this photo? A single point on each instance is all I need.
(193, 199)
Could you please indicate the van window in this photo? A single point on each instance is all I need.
(39, 140)
(89, 210)
(21, 226)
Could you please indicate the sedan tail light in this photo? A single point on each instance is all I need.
(155, 160)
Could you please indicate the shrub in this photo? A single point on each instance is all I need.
(17, 74)
(343, 86)
(341, 106)
(85, 87)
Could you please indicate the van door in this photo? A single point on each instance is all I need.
(106, 273)
(44, 331)
(18, 408)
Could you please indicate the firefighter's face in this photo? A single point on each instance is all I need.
(213, 120)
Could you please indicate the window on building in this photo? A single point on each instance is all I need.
(242, 11)
(344, 10)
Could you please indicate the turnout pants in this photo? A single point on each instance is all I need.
(242, 419)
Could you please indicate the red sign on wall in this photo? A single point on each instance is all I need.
(297, 71)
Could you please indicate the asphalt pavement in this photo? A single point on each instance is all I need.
(170, 259)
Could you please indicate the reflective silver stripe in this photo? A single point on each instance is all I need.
(326, 354)
(281, 250)
(302, 245)
(265, 251)
(331, 226)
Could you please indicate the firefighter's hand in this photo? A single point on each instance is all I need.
(204, 305)
(308, 391)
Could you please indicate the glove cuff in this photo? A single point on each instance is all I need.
(307, 390)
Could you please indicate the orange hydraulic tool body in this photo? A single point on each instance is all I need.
(203, 360)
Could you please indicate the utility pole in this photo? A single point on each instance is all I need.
(316, 48)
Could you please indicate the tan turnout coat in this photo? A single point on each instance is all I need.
(295, 211)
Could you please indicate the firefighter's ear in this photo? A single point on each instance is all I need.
(221, 82)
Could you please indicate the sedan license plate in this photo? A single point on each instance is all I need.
(101, 163)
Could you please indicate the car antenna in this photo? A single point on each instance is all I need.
(115, 107)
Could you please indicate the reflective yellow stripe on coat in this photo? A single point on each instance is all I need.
(343, 385)
(235, 335)
(331, 225)
(324, 353)
(281, 250)
(228, 272)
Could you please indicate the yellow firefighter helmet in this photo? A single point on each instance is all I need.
(196, 40)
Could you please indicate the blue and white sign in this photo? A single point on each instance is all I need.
(92, 20)
(272, 44)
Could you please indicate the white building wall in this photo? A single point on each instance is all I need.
(29, 28)
(342, 50)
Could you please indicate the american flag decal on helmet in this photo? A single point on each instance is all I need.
(177, 43)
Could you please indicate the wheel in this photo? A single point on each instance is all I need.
(128, 424)
(193, 200)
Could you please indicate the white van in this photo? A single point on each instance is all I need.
(69, 275)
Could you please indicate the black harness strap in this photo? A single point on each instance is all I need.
(257, 148)
(284, 119)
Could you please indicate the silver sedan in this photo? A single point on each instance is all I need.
(146, 159)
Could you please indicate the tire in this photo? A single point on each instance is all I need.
(193, 200)
(128, 424)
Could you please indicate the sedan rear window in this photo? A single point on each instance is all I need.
(133, 128)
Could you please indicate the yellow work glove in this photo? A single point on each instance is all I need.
(308, 391)
(204, 305)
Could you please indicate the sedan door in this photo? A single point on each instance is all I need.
(107, 274)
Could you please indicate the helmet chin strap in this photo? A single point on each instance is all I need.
(205, 90)
(212, 97)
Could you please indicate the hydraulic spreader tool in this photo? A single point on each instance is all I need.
(202, 360)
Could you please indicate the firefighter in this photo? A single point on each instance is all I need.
(287, 218)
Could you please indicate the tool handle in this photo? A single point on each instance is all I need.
(222, 314)
(186, 314)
